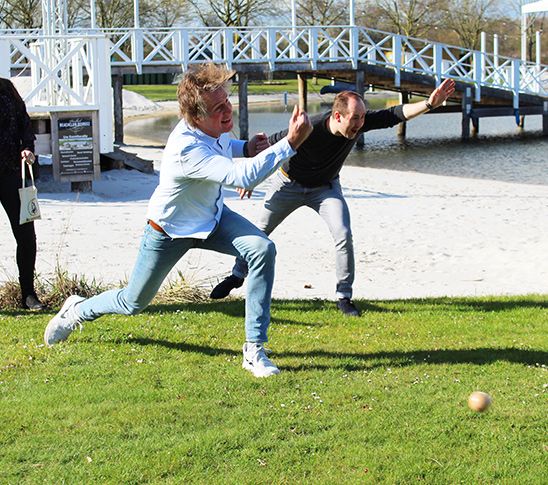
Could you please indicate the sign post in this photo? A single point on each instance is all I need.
(75, 148)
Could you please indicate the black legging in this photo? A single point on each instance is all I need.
(25, 236)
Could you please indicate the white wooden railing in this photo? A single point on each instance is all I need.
(307, 47)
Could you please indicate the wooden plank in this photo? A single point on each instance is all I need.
(242, 106)
(119, 159)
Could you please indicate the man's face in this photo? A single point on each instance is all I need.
(349, 124)
(219, 118)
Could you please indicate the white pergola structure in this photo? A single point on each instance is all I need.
(528, 7)
(70, 72)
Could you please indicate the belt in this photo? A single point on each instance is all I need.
(156, 227)
(285, 173)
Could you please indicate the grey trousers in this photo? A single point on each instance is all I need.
(285, 196)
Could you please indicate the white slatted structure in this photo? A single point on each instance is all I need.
(278, 46)
(301, 48)
(69, 73)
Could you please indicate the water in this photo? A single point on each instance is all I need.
(432, 145)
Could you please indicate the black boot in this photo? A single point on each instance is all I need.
(223, 289)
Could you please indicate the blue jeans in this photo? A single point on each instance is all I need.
(285, 196)
(158, 254)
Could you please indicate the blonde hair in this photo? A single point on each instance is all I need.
(205, 78)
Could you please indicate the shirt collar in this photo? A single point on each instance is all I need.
(222, 141)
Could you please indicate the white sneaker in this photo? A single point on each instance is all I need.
(62, 324)
(256, 361)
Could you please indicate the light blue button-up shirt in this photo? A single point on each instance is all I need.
(188, 201)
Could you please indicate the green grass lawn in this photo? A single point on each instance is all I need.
(168, 92)
(162, 398)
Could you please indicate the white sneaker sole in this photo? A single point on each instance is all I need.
(260, 372)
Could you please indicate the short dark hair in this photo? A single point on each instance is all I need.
(340, 103)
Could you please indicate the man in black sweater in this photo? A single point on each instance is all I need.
(311, 178)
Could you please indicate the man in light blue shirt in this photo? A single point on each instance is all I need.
(187, 211)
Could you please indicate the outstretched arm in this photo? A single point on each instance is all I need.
(436, 98)
(298, 131)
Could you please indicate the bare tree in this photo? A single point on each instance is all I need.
(166, 13)
(412, 18)
(114, 13)
(469, 18)
(21, 14)
(231, 12)
(78, 13)
(322, 12)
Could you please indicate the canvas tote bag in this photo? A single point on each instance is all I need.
(30, 210)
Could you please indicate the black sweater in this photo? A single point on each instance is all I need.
(320, 158)
(15, 128)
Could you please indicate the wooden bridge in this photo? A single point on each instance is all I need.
(77, 65)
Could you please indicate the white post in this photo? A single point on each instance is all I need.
(524, 37)
(352, 19)
(478, 74)
(5, 67)
(93, 14)
(293, 50)
(537, 48)
(483, 50)
(103, 94)
(229, 46)
(136, 23)
(396, 59)
(438, 62)
(497, 77)
(515, 82)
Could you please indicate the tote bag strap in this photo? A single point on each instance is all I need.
(23, 165)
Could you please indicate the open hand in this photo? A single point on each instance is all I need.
(442, 92)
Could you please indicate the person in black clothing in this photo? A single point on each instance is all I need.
(311, 178)
(16, 144)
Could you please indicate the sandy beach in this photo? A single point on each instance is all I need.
(415, 235)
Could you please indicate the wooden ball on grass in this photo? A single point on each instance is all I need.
(479, 401)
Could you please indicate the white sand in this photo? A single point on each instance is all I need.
(415, 235)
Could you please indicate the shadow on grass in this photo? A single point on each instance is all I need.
(393, 359)
(236, 307)
(472, 304)
(367, 361)
(183, 347)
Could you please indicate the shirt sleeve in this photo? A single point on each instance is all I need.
(383, 118)
(25, 127)
(237, 148)
(276, 137)
(200, 162)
